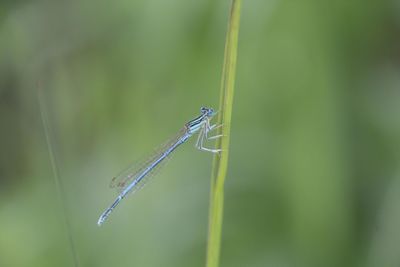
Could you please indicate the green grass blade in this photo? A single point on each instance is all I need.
(56, 175)
(220, 163)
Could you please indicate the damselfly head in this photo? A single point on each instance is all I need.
(208, 111)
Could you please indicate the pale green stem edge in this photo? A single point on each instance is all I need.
(220, 163)
(56, 174)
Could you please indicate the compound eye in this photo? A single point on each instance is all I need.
(203, 109)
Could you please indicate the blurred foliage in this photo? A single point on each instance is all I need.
(314, 176)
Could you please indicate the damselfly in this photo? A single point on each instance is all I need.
(134, 178)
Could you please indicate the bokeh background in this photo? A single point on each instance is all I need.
(314, 171)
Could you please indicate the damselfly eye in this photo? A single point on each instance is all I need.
(207, 111)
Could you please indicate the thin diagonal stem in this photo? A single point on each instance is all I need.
(56, 175)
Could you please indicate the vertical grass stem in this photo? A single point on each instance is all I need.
(220, 163)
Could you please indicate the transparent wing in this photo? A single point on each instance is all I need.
(134, 171)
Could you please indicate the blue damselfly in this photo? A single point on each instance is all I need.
(135, 177)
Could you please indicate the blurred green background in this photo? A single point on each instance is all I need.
(314, 171)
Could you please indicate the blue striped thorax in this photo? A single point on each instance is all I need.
(195, 124)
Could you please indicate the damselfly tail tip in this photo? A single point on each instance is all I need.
(102, 218)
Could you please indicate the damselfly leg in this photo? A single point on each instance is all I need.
(203, 135)
(214, 127)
